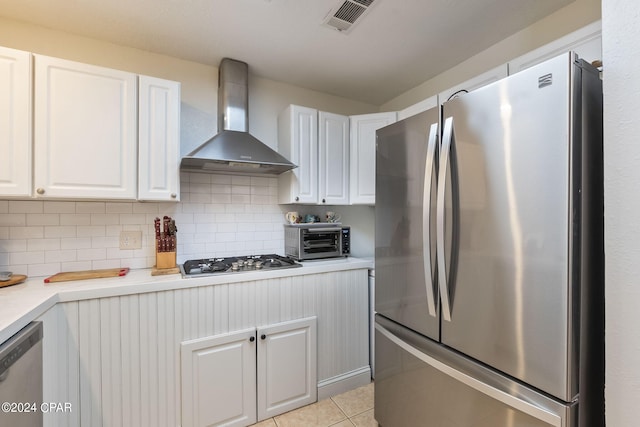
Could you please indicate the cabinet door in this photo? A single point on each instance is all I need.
(298, 142)
(219, 380)
(333, 170)
(586, 42)
(478, 81)
(85, 130)
(15, 122)
(363, 155)
(158, 139)
(287, 373)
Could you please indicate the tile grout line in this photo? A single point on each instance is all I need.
(346, 417)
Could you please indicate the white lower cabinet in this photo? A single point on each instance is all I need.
(219, 380)
(125, 360)
(287, 367)
(229, 379)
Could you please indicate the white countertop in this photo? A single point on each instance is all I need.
(23, 303)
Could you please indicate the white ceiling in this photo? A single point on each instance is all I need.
(396, 46)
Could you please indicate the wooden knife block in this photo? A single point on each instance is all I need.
(165, 259)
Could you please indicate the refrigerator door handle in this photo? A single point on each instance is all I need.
(502, 394)
(426, 218)
(447, 139)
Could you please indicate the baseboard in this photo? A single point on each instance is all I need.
(345, 382)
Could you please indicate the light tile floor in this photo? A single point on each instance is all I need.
(353, 408)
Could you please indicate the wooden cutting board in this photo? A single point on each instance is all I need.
(66, 276)
(15, 279)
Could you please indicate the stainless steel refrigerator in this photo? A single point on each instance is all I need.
(490, 256)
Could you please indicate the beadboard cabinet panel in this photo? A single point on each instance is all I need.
(111, 360)
(343, 335)
(131, 385)
(90, 352)
(61, 364)
(168, 357)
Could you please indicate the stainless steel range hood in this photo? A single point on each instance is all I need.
(234, 149)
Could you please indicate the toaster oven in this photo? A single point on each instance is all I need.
(316, 241)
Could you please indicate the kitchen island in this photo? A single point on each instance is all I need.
(112, 346)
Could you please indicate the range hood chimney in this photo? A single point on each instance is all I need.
(234, 149)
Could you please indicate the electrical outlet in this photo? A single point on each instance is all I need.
(130, 240)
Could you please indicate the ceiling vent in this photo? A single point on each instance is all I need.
(346, 13)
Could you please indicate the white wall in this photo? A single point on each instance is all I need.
(566, 20)
(361, 219)
(621, 56)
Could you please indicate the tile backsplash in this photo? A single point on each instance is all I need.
(218, 215)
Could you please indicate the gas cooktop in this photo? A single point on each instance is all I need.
(233, 265)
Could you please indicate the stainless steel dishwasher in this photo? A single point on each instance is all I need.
(21, 378)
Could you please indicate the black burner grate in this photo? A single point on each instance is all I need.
(210, 266)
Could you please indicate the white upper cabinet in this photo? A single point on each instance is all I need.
(158, 139)
(298, 142)
(85, 131)
(363, 155)
(318, 143)
(333, 167)
(15, 122)
(586, 42)
(477, 82)
(418, 107)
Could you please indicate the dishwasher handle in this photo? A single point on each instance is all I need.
(16, 346)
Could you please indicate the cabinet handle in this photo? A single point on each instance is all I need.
(174, 195)
(263, 336)
(252, 339)
(297, 198)
(324, 201)
(40, 191)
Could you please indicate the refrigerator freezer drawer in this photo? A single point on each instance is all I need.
(419, 382)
